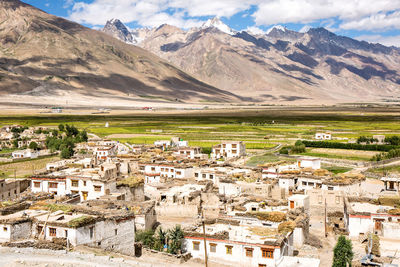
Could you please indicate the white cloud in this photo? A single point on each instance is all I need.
(68, 3)
(147, 13)
(377, 38)
(305, 11)
(255, 30)
(332, 14)
(375, 22)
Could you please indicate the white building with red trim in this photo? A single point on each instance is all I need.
(363, 218)
(239, 245)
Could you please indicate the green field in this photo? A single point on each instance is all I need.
(261, 129)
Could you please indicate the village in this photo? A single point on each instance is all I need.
(174, 203)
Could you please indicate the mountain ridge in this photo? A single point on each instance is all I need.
(47, 57)
(283, 64)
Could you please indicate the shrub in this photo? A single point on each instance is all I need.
(343, 252)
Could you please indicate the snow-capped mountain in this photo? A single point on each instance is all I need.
(280, 64)
(217, 23)
(276, 27)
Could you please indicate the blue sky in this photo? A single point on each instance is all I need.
(370, 20)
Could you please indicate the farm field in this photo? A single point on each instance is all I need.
(24, 168)
(342, 153)
(260, 129)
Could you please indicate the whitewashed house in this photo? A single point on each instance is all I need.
(190, 153)
(90, 183)
(363, 218)
(229, 189)
(239, 246)
(297, 201)
(17, 226)
(115, 232)
(309, 162)
(323, 136)
(309, 182)
(228, 150)
(153, 172)
(25, 154)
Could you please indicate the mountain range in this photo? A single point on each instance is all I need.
(316, 66)
(47, 59)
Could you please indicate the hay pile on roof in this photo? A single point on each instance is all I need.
(273, 216)
(132, 181)
(264, 231)
(291, 172)
(286, 227)
(81, 221)
(394, 211)
(321, 172)
(388, 200)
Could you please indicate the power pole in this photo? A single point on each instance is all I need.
(326, 234)
(204, 238)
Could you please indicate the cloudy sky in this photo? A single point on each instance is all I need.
(370, 20)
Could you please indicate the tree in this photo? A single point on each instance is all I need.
(343, 252)
(175, 236)
(33, 145)
(15, 143)
(146, 237)
(66, 152)
(160, 239)
(61, 127)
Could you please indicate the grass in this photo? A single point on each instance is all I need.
(330, 156)
(25, 168)
(7, 150)
(208, 129)
(388, 169)
(266, 158)
(337, 169)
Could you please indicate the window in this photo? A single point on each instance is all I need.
(153, 169)
(330, 187)
(196, 245)
(5, 229)
(66, 233)
(97, 188)
(75, 183)
(53, 231)
(91, 232)
(213, 247)
(234, 151)
(262, 265)
(224, 145)
(211, 176)
(234, 145)
(204, 175)
(267, 253)
(52, 185)
(304, 183)
(15, 191)
(229, 250)
(196, 174)
(84, 183)
(249, 252)
(39, 229)
(36, 184)
(178, 173)
(116, 231)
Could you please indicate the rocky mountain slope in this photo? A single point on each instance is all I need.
(282, 65)
(42, 55)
